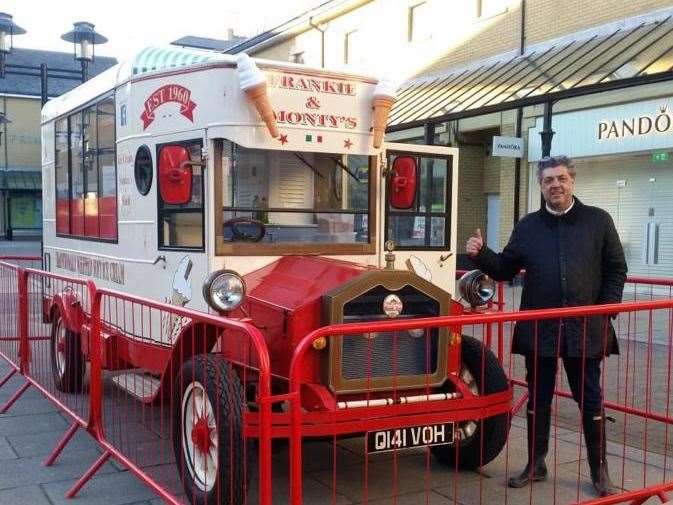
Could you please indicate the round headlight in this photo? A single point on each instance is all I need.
(224, 290)
(476, 288)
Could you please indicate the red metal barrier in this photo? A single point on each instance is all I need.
(162, 377)
(9, 323)
(173, 391)
(639, 462)
(23, 261)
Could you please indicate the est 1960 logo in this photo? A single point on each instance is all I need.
(166, 94)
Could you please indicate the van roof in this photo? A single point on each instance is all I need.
(157, 61)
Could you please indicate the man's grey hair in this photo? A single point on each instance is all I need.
(555, 161)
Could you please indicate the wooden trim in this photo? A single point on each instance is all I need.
(286, 249)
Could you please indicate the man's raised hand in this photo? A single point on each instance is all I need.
(474, 243)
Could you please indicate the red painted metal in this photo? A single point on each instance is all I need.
(72, 492)
(24, 348)
(9, 375)
(403, 178)
(53, 456)
(175, 178)
(298, 424)
(12, 399)
(263, 373)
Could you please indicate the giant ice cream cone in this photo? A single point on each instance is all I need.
(260, 99)
(382, 106)
(384, 98)
(253, 84)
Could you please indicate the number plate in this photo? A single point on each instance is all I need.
(412, 436)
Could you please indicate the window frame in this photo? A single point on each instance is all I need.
(428, 215)
(410, 22)
(223, 248)
(160, 212)
(68, 117)
(348, 43)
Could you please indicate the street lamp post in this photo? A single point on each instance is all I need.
(84, 38)
(8, 28)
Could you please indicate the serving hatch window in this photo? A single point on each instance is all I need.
(294, 197)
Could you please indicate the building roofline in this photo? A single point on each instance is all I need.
(298, 24)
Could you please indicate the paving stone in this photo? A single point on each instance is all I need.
(33, 495)
(11, 386)
(30, 406)
(6, 451)
(36, 424)
(428, 497)
(29, 471)
(41, 444)
(119, 488)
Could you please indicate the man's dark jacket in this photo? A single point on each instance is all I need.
(573, 259)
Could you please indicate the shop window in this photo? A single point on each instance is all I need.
(419, 22)
(180, 224)
(62, 177)
(352, 48)
(298, 57)
(489, 8)
(85, 173)
(426, 224)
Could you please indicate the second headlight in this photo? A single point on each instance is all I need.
(224, 290)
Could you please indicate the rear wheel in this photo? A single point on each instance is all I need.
(208, 435)
(478, 441)
(67, 360)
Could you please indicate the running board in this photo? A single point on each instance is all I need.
(141, 385)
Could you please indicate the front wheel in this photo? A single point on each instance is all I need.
(478, 441)
(208, 432)
(67, 360)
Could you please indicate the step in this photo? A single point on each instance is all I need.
(141, 385)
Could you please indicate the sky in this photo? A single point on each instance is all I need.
(131, 25)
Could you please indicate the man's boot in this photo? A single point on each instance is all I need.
(538, 445)
(594, 435)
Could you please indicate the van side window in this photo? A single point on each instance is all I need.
(181, 224)
(86, 173)
(62, 176)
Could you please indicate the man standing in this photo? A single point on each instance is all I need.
(572, 256)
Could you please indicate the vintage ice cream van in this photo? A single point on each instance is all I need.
(263, 190)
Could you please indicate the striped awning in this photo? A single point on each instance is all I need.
(587, 63)
(159, 58)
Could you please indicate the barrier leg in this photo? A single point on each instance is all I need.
(522, 401)
(14, 397)
(61, 444)
(88, 475)
(4, 380)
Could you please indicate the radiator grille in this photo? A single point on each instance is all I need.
(389, 354)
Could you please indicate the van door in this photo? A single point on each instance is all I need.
(419, 200)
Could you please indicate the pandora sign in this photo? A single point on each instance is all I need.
(629, 127)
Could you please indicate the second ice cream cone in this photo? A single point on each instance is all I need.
(258, 96)
(382, 106)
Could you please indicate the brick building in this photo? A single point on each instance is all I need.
(475, 69)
